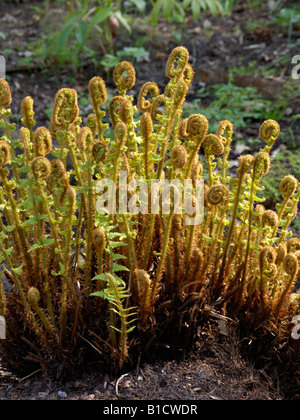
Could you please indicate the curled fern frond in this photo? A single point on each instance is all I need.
(41, 167)
(148, 88)
(42, 142)
(4, 152)
(122, 81)
(65, 109)
(98, 92)
(179, 156)
(288, 186)
(218, 194)
(27, 112)
(5, 94)
(177, 62)
(269, 131)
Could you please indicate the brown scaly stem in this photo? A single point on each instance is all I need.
(245, 164)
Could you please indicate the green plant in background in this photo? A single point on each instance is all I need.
(235, 103)
(123, 282)
(282, 161)
(91, 26)
(178, 8)
(289, 18)
(109, 61)
(85, 21)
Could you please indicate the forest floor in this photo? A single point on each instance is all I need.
(216, 371)
(248, 49)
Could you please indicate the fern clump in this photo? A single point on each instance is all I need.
(116, 280)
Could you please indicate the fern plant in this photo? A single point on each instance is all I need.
(121, 278)
(116, 293)
(176, 7)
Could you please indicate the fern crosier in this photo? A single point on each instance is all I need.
(28, 112)
(5, 94)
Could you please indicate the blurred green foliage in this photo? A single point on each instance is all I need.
(234, 103)
(91, 27)
(177, 9)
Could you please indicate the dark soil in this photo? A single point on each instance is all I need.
(216, 370)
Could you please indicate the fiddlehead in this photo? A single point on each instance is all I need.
(288, 186)
(41, 167)
(148, 88)
(218, 194)
(99, 239)
(245, 164)
(65, 110)
(196, 171)
(28, 113)
(98, 94)
(114, 109)
(225, 130)
(4, 152)
(155, 112)
(261, 165)
(270, 218)
(42, 142)
(268, 132)
(188, 74)
(99, 151)
(5, 94)
(126, 112)
(58, 169)
(194, 128)
(59, 177)
(269, 223)
(212, 146)
(293, 245)
(124, 77)
(177, 62)
(85, 139)
(179, 156)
